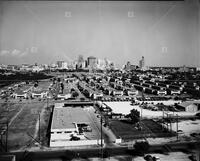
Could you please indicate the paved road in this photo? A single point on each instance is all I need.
(65, 154)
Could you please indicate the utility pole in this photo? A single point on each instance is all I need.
(163, 120)
(47, 101)
(170, 118)
(39, 127)
(142, 102)
(101, 138)
(177, 126)
(7, 136)
(4, 132)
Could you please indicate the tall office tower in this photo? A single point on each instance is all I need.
(142, 63)
(59, 64)
(81, 62)
(62, 64)
(92, 62)
(128, 65)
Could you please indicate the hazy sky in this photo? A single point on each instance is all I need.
(165, 33)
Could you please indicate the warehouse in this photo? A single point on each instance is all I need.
(72, 126)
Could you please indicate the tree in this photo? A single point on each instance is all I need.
(141, 147)
(62, 86)
(82, 99)
(135, 116)
(36, 85)
(75, 94)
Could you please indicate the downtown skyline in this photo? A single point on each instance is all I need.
(165, 33)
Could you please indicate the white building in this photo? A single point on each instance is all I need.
(62, 65)
(64, 96)
(67, 127)
(132, 92)
(39, 94)
(190, 106)
(20, 94)
(162, 92)
(37, 68)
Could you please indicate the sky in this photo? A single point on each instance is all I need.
(165, 33)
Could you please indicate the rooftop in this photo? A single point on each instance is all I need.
(19, 92)
(65, 117)
(188, 103)
(91, 57)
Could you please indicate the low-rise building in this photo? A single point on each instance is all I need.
(20, 94)
(162, 92)
(64, 96)
(189, 106)
(71, 126)
(39, 94)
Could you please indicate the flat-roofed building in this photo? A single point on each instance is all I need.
(162, 92)
(39, 94)
(117, 93)
(174, 92)
(64, 96)
(70, 127)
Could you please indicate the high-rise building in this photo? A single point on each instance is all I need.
(62, 64)
(142, 63)
(59, 64)
(128, 66)
(81, 62)
(101, 64)
(92, 61)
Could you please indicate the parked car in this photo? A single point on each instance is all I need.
(74, 138)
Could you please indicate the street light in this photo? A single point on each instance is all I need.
(101, 138)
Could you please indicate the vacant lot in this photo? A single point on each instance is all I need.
(43, 85)
(23, 127)
(7, 111)
(128, 131)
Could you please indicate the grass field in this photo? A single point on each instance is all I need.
(128, 131)
(44, 85)
(23, 127)
(23, 123)
(8, 111)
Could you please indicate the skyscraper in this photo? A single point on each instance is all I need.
(92, 61)
(62, 64)
(142, 63)
(81, 62)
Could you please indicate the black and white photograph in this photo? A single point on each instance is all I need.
(108, 80)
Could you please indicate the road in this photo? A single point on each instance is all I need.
(66, 154)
